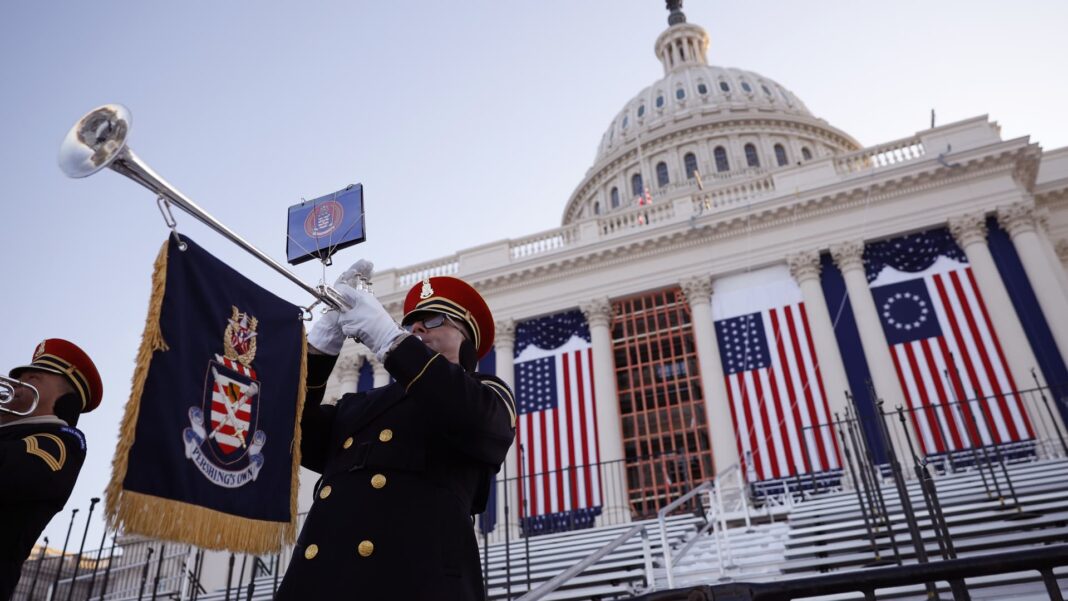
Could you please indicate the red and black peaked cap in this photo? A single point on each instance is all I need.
(65, 358)
(455, 298)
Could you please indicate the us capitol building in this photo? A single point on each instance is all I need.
(734, 273)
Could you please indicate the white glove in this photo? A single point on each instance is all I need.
(326, 334)
(368, 321)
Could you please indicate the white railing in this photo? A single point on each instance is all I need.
(635, 218)
(884, 155)
(411, 275)
(733, 195)
(543, 242)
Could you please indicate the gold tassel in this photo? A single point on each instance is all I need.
(290, 534)
(151, 341)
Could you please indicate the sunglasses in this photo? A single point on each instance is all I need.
(429, 321)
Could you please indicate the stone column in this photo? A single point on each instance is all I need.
(849, 257)
(698, 292)
(599, 316)
(504, 346)
(805, 268)
(1050, 250)
(348, 370)
(1019, 220)
(970, 233)
(381, 375)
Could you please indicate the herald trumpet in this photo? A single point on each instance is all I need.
(98, 141)
(7, 395)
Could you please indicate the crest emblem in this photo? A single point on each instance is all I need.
(426, 291)
(239, 340)
(37, 352)
(324, 219)
(222, 440)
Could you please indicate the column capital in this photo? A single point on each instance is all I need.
(848, 255)
(1061, 248)
(968, 229)
(1018, 218)
(698, 290)
(598, 311)
(804, 265)
(379, 368)
(504, 333)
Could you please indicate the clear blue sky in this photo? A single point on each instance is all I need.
(467, 122)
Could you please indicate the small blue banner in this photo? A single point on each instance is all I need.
(318, 228)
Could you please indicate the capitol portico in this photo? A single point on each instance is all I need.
(716, 194)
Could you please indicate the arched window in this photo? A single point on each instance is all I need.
(726, 87)
(626, 120)
(691, 164)
(641, 110)
(780, 155)
(596, 208)
(702, 89)
(721, 159)
(636, 184)
(659, 101)
(751, 157)
(746, 86)
(806, 153)
(661, 174)
(615, 197)
(680, 93)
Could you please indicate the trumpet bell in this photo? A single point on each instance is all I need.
(95, 141)
(7, 395)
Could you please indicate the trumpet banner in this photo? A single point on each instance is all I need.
(209, 448)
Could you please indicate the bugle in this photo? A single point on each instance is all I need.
(98, 140)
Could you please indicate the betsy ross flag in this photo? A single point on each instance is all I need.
(556, 433)
(776, 395)
(946, 352)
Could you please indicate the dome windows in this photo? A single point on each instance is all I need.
(726, 87)
(680, 94)
(614, 197)
(596, 208)
(721, 159)
(746, 87)
(702, 89)
(766, 90)
(806, 154)
(636, 185)
(660, 101)
(690, 162)
(751, 157)
(641, 110)
(661, 174)
(780, 155)
(625, 121)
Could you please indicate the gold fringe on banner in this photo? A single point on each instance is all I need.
(138, 513)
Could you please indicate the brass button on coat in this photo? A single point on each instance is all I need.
(325, 491)
(347, 443)
(366, 548)
(385, 435)
(378, 481)
(311, 551)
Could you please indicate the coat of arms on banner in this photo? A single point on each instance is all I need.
(227, 447)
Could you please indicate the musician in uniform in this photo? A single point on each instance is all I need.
(42, 452)
(405, 466)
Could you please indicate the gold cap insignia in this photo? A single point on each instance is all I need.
(426, 291)
(39, 350)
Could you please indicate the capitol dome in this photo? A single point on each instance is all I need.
(699, 126)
